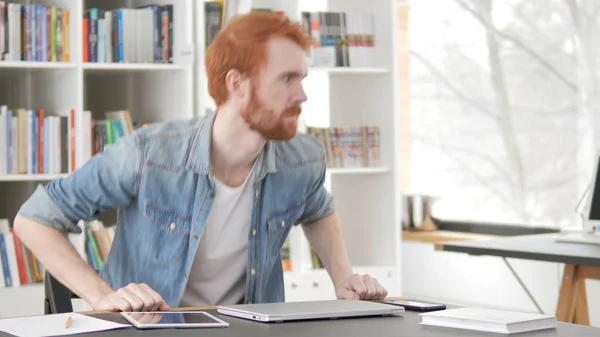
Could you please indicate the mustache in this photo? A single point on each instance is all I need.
(295, 110)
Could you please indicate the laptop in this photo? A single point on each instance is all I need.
(292, 311)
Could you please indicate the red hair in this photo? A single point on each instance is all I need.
(241, 45)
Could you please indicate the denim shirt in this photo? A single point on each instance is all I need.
(159, 179)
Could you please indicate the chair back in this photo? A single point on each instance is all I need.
(57, 297)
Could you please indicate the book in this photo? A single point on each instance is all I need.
(488, 320)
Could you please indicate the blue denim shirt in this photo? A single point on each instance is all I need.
(159, 179)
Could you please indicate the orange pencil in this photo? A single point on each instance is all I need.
(68, 322)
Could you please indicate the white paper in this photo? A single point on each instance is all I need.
(54, 325)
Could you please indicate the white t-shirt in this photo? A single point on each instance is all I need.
(218, 273)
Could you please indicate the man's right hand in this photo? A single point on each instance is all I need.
(133, 297)
(62, 260)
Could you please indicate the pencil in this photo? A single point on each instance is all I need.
(68, 322)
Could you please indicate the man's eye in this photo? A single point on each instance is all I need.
(287, 78)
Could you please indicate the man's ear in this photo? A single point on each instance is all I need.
(236, 84)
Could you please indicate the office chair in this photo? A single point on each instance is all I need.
(57, 297)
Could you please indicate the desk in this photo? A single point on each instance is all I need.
(400, 326)
(582, 261)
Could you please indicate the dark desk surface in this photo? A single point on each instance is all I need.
(541, 247)
(399, 326)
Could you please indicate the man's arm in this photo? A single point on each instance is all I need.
(108, 180)
(323, 230)
(325, 236)
(53, 249)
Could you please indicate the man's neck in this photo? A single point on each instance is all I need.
(234, 147)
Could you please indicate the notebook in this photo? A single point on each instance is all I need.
(488, 320)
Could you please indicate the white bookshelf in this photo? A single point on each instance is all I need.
(4, 65)
(366, 198)
(119, 67)
(151, 92)
(30, 177)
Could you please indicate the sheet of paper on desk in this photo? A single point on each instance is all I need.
(54, 325)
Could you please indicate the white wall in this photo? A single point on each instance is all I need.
(485, 281)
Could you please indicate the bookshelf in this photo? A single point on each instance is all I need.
(342, 96)
(149, 82)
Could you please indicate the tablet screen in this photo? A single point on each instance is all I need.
(173, 318)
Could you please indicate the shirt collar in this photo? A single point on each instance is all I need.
(199, 156)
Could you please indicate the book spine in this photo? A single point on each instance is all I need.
(39, 29)
(9, 145)
(171, 38)
(39, 140)
(54, 31)
(34, 135)
(165, 34)
(20, 260)
(101, 41)
(66, 35)
(93, 35)
(85, 32)
(120, 51)
(5, 264)
(28, 36)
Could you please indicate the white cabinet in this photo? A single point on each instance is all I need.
(314, 285)
(309, 286)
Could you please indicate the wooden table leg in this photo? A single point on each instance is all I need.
(565, 309)
(581, 305)
(582, 315)
(572, 304)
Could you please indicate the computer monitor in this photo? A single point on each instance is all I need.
(591, 202)
(589, 208)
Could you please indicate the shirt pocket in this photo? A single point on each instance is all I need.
(168, 232)
(279, 224)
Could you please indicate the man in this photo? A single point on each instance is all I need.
(204, 205)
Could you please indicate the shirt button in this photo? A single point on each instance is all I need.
(282, 223)
(195, 237)
(254, 232)
(257, 193)
(252, 271)
(172, 227)
(212, 194)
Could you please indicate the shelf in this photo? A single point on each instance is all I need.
(350, 70)
(131, 66)
(358, 170)
(25, 287)
(36, 65)
(31, 177)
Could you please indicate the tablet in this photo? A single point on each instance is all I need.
(173, 319)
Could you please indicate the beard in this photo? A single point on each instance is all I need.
(263, 120)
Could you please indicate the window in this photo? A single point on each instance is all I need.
(504, 107)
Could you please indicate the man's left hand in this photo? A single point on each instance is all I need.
(361, 287)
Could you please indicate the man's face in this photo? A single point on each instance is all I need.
(273, 101)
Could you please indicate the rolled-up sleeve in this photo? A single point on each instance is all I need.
(108, 180)
(319, 202)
